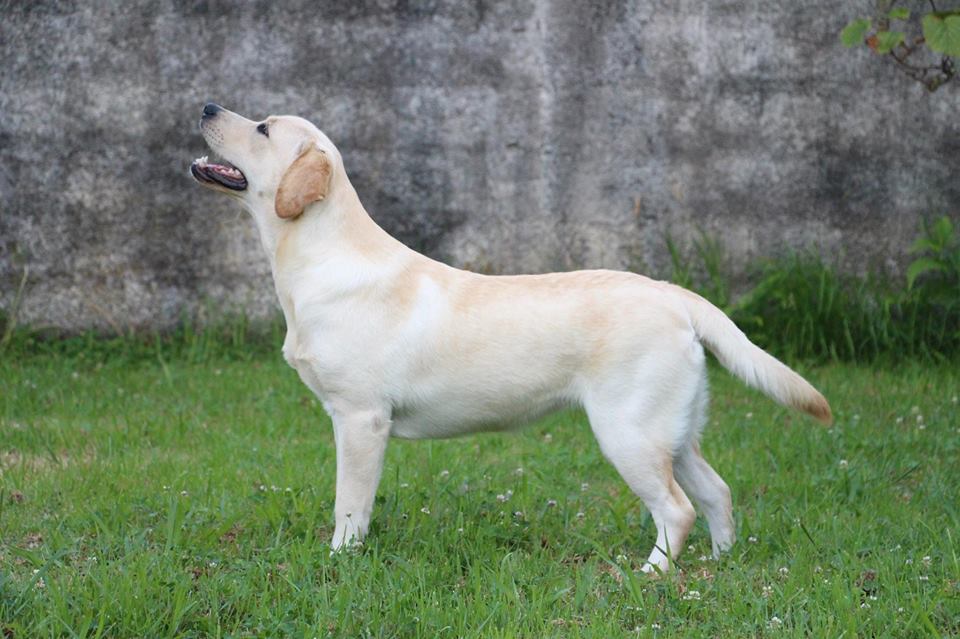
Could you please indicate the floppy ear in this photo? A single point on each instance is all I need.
(306, 181)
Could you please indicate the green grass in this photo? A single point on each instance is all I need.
(162, 496)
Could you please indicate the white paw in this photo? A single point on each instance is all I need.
(352, 545)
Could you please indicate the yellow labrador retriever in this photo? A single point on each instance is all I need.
(395, 343)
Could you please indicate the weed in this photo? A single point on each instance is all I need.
(801, 307)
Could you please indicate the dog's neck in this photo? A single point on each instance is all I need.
(335, 233)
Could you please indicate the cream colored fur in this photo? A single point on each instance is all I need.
(394, 343)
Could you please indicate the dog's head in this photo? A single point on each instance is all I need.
(284, 160)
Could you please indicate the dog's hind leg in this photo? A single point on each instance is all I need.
(647, 469)
(638, 435)
(644, 411)
(708, 490)
(361, 439)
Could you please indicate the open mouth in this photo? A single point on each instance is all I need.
(225, 175)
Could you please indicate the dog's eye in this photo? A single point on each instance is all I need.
(262, 128)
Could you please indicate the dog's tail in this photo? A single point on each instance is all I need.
(749, 362)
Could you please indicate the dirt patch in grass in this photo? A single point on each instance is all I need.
(42, 463)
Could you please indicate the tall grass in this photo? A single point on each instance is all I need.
(801, 306)
(230, 337)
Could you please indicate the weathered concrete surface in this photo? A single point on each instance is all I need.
(506, 137)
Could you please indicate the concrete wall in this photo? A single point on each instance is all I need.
(504, 136)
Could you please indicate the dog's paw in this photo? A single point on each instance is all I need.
(351, 546)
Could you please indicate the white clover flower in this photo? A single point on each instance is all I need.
(844, 463)
(692, 595)
(425, 510)
(518, 471)
(926, 560)
(766, 592)
(775, 622)
(444, 474)
(551, 503)
(752, 539)
(784, 571)
(581, 515)
(584, 487)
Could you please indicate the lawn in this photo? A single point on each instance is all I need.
(159, 497)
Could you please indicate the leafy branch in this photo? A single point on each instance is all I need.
(938, 33)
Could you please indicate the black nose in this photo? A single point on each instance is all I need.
(210, 109)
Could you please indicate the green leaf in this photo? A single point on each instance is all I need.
(921, 266)
(853, 33)
(887, 40)
(899, 13)
(922, 244)
(942, 231)
(942, 33)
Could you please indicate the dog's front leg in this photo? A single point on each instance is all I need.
(361, 440)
